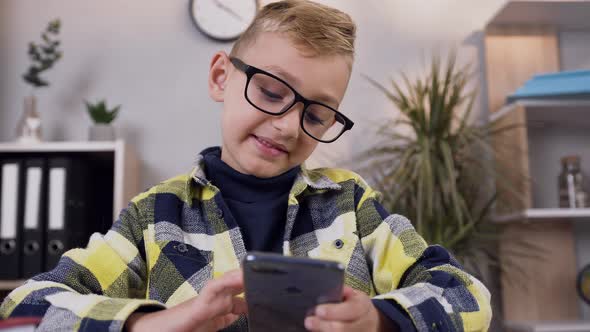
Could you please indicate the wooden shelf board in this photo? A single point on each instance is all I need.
(548, 326)
(572, 14)
(74, 146)
(10, 284)
(532, 215)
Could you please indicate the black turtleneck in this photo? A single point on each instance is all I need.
(258, 205)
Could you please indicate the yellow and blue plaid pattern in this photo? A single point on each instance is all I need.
(174, 237)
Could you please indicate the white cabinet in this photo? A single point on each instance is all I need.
(116, 165)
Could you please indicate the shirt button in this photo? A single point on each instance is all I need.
(338, 244)
(182, 248)
(220, 213)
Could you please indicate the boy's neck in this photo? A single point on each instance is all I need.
(243, 186)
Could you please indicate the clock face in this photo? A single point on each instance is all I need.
(223, 19)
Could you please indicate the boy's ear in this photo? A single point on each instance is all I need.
(218, 75)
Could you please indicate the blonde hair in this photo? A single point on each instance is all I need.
(312, 27)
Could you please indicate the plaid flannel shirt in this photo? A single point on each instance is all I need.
(174, 237)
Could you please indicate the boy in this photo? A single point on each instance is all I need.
(171, 261)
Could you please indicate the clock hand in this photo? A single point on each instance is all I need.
(227, 9)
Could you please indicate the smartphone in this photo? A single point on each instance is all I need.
(281, 290)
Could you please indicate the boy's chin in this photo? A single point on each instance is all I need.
(266, 171)
(262, 168)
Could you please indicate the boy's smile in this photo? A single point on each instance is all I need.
(266, 145)
(270, 147)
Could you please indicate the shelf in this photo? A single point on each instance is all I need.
(522, 40)
(82, 146)
(10, 284)
(565, 112)
(571, 14)
(543, 215)
(125, 162)
(549, 326)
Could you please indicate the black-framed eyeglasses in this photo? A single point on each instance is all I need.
(271, 95)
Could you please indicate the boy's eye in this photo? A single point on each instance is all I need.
(313, 119)
(270, 94)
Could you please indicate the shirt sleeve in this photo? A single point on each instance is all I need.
(396, 314)
(92, 288)
(420, 282)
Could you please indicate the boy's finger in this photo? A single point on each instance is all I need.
(239, 306)
(344, 311)
(222, 305)
(224, 321)
(348, 292)
(231, 283)
(314, 323)
(352, 308)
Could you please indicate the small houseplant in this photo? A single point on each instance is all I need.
(43, 57)
(102, 116)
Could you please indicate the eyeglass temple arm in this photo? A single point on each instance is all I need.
(239, 64)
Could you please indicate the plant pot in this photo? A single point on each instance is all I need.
(29, 126)
(101, 132)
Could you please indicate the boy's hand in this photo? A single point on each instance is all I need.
(355, 313)
(215, 308)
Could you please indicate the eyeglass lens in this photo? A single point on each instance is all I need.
(273, 96)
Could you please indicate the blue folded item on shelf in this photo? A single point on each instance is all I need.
(566, 84)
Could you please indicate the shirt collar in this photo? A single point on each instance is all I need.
(306, 178)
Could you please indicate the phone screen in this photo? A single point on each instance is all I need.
(281, 291)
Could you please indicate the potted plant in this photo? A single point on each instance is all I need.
(43, 56)
(102, 116)
(431, 165)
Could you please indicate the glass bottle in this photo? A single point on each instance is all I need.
(571, 179)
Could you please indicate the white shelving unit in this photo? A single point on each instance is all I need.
(543, 215)
(126, 164)
(549, 130)
(119, 155)
(548, 114)
(10, 284)
(521, 40)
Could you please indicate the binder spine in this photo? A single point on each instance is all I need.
(10, 218)
(34, 218)
(68, 223)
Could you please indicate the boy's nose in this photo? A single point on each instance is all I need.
(289, 122)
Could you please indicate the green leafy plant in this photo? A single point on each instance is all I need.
(430, 163)
(100, 113)
(43, 55)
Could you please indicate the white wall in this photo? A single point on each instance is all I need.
(148, 56)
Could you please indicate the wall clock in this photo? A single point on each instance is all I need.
(223, 20)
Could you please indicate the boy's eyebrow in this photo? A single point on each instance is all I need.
(290, 78)
(281, 72)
